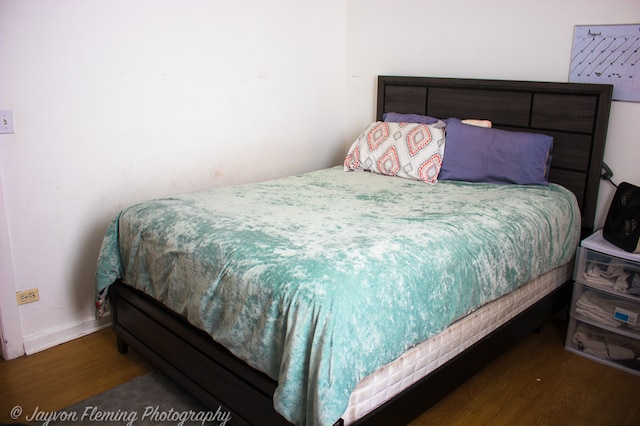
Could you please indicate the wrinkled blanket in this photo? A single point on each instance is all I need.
(321, 278)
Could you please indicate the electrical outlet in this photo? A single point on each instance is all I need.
(6, 121)
(27, 296)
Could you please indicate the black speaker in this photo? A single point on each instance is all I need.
(622, 226)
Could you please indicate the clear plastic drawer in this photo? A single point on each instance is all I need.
(606, 310)
(608, 272)
(603, 346)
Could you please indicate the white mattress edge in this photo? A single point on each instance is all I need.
(417, 362)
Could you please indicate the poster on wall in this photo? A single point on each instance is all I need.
(608, 54)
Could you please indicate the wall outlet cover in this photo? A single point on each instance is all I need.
(27, 296)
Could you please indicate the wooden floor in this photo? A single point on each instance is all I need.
(61, 376)
(540, 383)
(536, 383)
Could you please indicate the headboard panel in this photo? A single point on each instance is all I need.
(575, 114)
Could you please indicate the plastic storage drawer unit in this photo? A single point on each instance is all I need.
(604, 322)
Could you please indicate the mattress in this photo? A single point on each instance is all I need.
(424, 358)
(319, 279)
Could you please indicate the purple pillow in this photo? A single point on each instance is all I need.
(479, 154)
(396, 117)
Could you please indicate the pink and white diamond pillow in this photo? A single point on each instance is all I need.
(408, 150)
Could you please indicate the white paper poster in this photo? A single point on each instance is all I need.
(608, 54)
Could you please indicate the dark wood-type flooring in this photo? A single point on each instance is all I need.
(535, 383)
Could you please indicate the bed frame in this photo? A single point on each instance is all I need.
(576, 115)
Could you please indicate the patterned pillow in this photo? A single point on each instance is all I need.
(408, 150)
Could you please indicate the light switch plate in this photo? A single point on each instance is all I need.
(6, 121)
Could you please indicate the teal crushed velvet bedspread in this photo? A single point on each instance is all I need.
(319, 279)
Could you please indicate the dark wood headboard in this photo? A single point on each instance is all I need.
(575, 114)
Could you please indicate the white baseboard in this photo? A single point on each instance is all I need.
(41, 342)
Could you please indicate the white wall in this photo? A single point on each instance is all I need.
(10, 334)
(502, 39)
(117, 101)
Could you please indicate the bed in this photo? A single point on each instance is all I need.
(271, 330)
